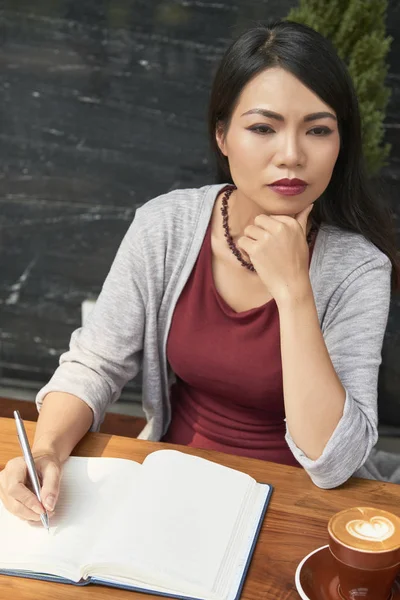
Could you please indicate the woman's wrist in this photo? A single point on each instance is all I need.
(295, 294)
(46, 445)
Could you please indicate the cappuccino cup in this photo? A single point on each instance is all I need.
(365, 544)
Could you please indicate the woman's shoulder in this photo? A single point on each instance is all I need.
(178, 205)
(170, 222)
(349, 250)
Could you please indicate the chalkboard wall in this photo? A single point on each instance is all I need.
(103, 106)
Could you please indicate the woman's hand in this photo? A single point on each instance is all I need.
(277, 247)
(17, 497)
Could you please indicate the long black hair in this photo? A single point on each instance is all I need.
(349, 202)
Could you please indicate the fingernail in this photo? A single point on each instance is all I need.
(50, 502)
(38, 510)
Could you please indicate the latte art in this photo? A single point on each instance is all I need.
(376, 529)
(367, 529)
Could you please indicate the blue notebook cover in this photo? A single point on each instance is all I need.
(97, 581)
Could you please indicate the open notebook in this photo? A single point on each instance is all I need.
(177, 525)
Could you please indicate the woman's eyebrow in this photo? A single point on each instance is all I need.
(273, 115)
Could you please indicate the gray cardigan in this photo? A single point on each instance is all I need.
(128, 328)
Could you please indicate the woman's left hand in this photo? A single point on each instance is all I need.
(277, 247)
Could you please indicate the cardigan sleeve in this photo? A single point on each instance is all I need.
(107, 352)
(353, 331)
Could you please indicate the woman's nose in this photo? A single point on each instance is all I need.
(290, 152)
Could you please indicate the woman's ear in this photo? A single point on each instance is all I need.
(220, 137)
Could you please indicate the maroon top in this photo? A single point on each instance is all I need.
(228, 394)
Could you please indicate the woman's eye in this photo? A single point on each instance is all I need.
(262, 129)
(320, 131)
(266, 129)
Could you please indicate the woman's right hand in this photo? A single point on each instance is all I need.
(15, 492)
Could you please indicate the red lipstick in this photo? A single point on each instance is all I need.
(289, 187)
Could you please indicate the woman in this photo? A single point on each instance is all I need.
(250, 303)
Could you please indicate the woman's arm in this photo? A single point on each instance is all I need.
(330, 379)
(330, 383)
(314, 396)
(63, 421)
(107, 351)
(103, 356)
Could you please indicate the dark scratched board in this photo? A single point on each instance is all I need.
(103, 106)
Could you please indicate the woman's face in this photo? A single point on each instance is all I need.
(294, 143)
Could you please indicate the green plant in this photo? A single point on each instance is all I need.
(357, 30)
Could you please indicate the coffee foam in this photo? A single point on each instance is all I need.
(365, 528)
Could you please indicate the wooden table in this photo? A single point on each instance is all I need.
(295, 523)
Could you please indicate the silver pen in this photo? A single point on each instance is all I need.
(30, 463)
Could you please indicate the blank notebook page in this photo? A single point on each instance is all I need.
(188, 510)
(87, 485)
